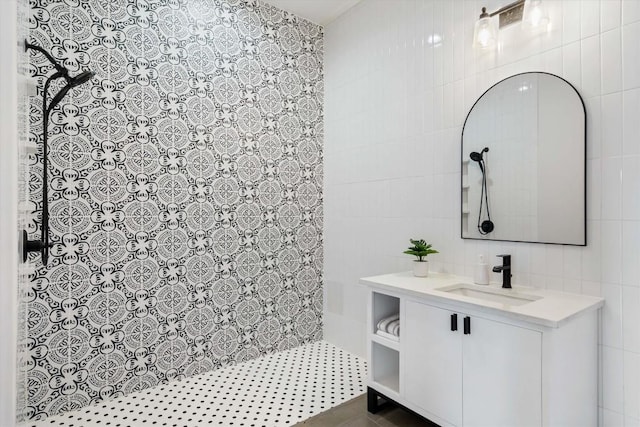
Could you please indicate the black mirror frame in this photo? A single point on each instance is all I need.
(462, 157)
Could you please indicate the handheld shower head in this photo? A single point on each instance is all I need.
(72, 82)
(478, 157)
(81, 78)
(61, 71)
(56, 99)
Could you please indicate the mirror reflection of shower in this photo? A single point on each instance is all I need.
(484, 227)
(43, 244)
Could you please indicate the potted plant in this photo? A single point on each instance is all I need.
(420, 249)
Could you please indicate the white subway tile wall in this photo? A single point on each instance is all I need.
(400, 77)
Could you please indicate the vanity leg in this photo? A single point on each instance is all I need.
(372, 401)
(377, 402)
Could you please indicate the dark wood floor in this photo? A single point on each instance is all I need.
(354, 414)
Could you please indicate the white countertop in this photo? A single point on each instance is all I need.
(551, 310)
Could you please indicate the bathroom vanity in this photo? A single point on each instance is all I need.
(471, 355)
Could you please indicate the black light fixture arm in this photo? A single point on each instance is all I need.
(502, 9)
(507, 15)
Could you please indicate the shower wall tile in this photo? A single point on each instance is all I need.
(372, 49)
(185, 195)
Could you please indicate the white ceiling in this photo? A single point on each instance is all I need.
(319, 11)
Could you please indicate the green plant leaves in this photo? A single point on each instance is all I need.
(420, 249)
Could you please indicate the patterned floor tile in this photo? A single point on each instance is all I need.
(281, 389)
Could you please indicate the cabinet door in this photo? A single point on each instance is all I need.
(432, 360)
(502, 375)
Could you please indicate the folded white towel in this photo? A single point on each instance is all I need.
(396, 330)
(384, 323)
(392, 326)
(388, 336)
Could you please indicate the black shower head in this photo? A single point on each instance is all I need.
(72, 82)
(56, 99)
(61, 71)
(81, 78)
(478, 157)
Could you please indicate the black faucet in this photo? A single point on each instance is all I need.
(505, 268)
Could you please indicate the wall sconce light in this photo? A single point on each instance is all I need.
(535, 15)
(485, 32)
(531, 13)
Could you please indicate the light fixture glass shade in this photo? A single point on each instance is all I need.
(535, 15)
(484, 33)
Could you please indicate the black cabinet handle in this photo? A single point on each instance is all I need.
(454, 322)
(467, 325)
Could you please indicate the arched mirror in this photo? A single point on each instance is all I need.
(524, 163)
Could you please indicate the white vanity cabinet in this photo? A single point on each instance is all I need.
(454, 369)
(463, 362)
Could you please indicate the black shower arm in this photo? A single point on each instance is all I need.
(59, 68)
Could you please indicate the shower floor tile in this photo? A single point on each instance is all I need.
(281, 389)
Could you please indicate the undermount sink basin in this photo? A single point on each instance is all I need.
(502, 296)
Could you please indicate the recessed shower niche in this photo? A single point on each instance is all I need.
(524, 163)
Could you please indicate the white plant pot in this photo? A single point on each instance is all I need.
(421, 268)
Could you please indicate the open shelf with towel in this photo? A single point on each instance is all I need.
(385, 316)
(384, 342)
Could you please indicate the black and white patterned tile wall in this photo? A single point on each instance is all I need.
(186, 195)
